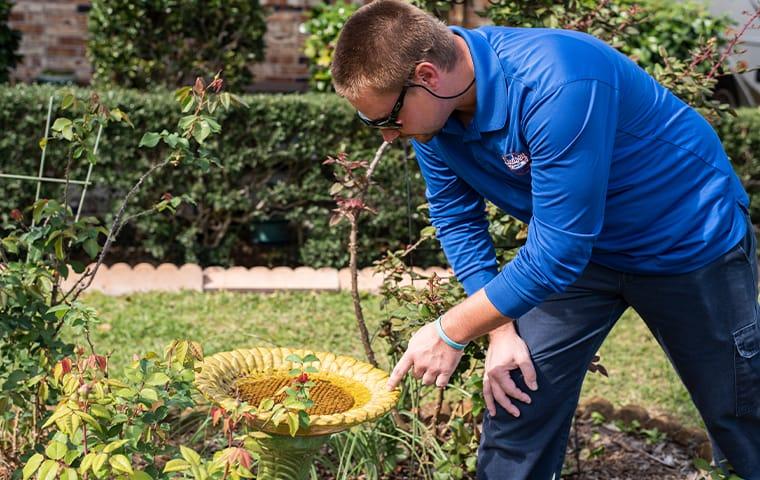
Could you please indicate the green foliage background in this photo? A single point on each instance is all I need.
(272, 156)
(138, 44)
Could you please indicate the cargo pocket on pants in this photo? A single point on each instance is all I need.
(747, 368)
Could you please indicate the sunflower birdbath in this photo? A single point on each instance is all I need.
(346, 393)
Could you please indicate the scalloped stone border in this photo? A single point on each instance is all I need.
(122, 279)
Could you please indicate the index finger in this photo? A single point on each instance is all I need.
(399, 371)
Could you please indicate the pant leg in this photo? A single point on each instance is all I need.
(707, 323)
(562, 334)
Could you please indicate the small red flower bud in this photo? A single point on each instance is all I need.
(167, 196)
(216, 85)
(17, 215)
(303, 378)
(199, 86)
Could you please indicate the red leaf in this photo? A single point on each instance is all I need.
(66, 365)
(245, 458)
(216, 414)
(102, 362)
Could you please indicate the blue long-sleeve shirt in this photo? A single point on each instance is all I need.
(604, 164)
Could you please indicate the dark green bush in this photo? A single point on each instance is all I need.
(638, 28)
(138, 44)
(9, 40)
(272, 156)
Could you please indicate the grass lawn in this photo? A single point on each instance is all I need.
(638, 370)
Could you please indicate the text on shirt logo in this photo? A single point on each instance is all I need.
(517, 162)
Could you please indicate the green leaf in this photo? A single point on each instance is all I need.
(56, 450)
(292, 423)
(310, 358)
(149, 394)
(68, 132)
(59, 248)
(121, 463)
(69, 474)
(32, 465)
(115, 445)
(48, 470)
(176, 465)
(187, 103)
(266, 404)
(59, 310)
(59, 413)
(158, 378)
(60, 124)
(91, 247)
(68, 100)
(43, 143)
(87, 462)
(150, 140)
(100, 411)
(186, 121)
(201, 131)
(98, 462)
(293, 358)
(225, 98)
(140, 475)
(189, 454)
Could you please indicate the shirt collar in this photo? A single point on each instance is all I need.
(491, 108)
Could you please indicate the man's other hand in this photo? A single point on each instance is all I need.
(506, 352)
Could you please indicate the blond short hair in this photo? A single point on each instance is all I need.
(382, 42)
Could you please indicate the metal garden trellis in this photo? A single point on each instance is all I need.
(40, 179)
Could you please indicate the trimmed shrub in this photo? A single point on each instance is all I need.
(165, 42)
(272, 179)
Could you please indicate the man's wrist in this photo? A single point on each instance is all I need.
(508, 329)
(443, 330)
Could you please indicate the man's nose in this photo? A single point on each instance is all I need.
(389, 135)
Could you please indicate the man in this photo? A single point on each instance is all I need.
(630, 200)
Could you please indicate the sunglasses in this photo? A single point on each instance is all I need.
(391, 121)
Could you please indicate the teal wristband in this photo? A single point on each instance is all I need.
(451, 343)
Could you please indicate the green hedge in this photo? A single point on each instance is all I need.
(272, 154)
(162, 42)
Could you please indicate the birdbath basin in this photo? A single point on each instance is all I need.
(346, 393)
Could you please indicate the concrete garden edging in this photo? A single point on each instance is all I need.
(122, 279)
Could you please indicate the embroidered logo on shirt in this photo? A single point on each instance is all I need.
(517, 162)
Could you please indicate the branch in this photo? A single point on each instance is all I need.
(730, 47)
(115, 227)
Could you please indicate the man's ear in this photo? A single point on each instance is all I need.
(427, 74)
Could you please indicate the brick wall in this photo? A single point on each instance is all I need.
(54, 38)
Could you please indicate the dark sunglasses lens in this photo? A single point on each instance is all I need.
(383, 123)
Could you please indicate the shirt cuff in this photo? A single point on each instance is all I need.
(474, 282)
(507, 300)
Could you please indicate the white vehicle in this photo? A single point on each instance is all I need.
(741, 90)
